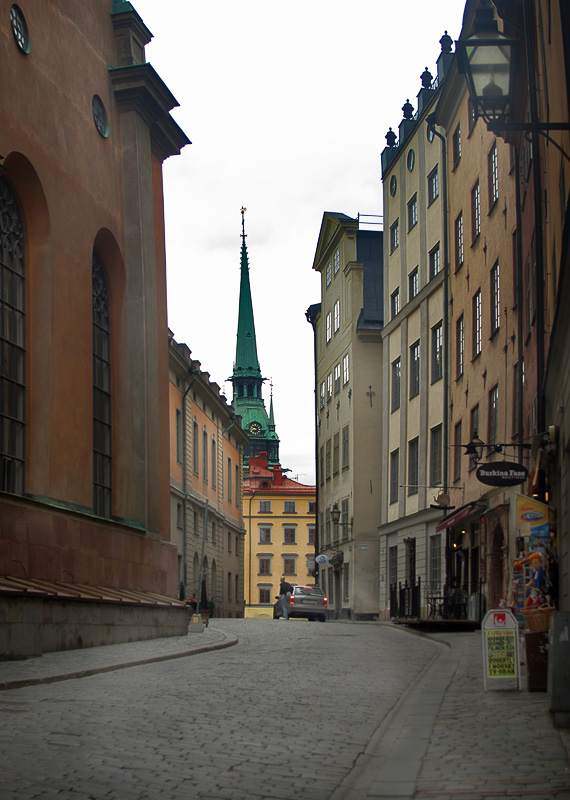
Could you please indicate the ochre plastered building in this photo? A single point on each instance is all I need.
(85, 128)
(279, 516)
(206, 466)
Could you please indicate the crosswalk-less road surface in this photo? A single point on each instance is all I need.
(293, 711)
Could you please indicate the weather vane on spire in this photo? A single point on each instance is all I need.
(243, 233)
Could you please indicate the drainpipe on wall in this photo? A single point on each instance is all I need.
(311, 314)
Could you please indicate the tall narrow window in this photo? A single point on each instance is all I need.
(396, 366)
(229, 479)
(101, 393)
(345, 457)
(516, 399)
(337, 378)
(178, 436)
(495, 300)
(413, 212)
(433, 186)
(457, 453)
(336, 452)
(434, 262)
(205, 456)
(459, 347)
(413, 284)
(493, 423)
(473, 432)
(413, 465)
(214, 463)
(394, 235)
(477, 324)
(456, 146)
(493, 176)
(459, 254)
(415, 369)
(475, 211)
(435, 456)
(394, 475)
(12, 344)
(345, 370)
(395, 302)
(437, 352)
(195, 448)
(336, 316)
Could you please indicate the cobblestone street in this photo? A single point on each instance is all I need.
(293, 711)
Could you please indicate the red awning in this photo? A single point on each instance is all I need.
(457, 516)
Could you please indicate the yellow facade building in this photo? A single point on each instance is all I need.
(279, 517)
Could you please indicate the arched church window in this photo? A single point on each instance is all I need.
(101, 393)
(12, 344)
(249, 390)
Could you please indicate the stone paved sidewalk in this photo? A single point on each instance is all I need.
(52, 667)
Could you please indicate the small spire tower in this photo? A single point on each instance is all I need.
(246, 378)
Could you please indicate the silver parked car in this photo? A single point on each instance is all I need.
(306, 601)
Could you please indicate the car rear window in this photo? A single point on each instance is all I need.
(310, 590)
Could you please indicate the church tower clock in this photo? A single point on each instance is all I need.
(246, 377)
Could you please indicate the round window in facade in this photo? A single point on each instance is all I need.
(20, 29)
(100, 116)
(393, 185)
(411, 159)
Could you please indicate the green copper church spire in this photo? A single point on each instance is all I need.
(246, 363)
(246, 378)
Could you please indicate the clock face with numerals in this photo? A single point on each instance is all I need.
(255, 428)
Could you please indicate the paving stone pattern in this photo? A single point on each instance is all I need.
(293, 711)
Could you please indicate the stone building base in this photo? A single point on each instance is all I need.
(68, 617)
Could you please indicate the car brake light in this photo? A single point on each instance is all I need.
(325, 601)
(292, 600)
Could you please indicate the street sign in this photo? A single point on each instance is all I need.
(500, 646)
(322, 559)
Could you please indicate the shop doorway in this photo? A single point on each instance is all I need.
(495, 588)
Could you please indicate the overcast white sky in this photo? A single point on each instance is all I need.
(287, 105)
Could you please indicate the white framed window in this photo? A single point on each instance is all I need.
(493, 164)
(459, 346)
(475, 211)
(329, 274)
(336, 260)
(345, 370)
(337, 378)
(329, 386)
(336, 316)
(477, 324)
(322, 395)
(495, 299)
(459, 253)
(329, 326)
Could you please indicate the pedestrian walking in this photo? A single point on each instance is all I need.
(285, 592)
